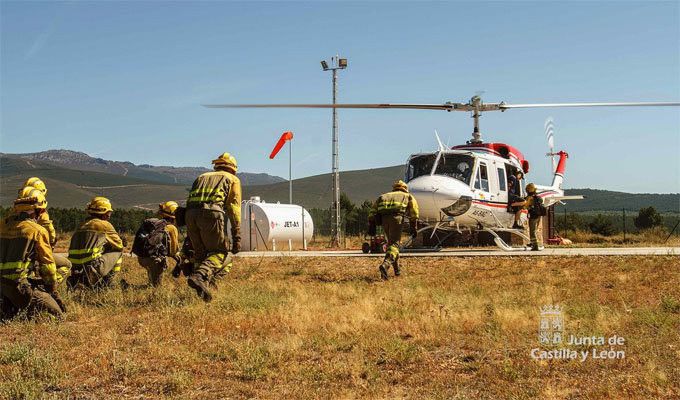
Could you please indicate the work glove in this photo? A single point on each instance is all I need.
(177, 271)
(236, 239)
(414, 227)
(52, 291)
(236, 245)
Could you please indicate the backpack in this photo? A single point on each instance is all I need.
(537, 208)
(151, 239)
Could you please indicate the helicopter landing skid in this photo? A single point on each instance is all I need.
(503, 245)
(405, 248)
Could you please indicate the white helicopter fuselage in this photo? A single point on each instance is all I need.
(467, 186)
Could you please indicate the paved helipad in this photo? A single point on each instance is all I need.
(558, 251)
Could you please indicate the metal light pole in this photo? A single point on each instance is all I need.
(336, 63)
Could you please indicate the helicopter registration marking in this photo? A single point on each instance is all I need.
(481, 213)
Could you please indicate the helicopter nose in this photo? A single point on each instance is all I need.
(436, 194)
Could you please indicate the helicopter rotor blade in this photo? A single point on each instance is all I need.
(504, 106)
(367, 105)
(448, 106)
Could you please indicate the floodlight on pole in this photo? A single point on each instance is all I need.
(336, 63)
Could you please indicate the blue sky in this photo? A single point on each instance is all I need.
(125, 80)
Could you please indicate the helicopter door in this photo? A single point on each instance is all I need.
(502, 187)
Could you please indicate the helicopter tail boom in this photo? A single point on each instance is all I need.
(558, 176)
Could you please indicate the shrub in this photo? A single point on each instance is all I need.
(647, 218)
(602, 225)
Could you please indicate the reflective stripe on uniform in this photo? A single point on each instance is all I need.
(89, 255)
(392, 206)
(84, 251)
(214, 195)
(392, 252)
(117, 265)
(48, 272)
(14, 270)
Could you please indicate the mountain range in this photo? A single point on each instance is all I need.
(80, 161)
(73, 178)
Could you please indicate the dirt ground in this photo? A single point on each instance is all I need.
(329, 328)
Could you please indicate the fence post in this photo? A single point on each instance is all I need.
(624, 225)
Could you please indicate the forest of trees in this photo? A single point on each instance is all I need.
(608, 224)
(68, 219)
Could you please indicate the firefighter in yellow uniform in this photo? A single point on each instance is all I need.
(154, 268)
(96, 250)
(531, 204)
(63, 264)
(23, 245)
(390, 209)
(214, 197)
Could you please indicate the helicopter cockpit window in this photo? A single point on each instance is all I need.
(458, 166)
(420, 165)
(482, 181)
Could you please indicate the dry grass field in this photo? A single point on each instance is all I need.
(328, 328)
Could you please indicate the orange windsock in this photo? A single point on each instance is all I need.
(286, 136)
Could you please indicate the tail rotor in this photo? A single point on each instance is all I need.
(549, 128)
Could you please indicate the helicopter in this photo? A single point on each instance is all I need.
(462, 191)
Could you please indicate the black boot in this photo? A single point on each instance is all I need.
(195, 282)
(535, 248)
(383, 272)
(395, 265)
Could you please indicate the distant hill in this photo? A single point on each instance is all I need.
(79, 161)
(316, 191)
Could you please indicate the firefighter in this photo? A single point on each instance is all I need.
(63, 264)
(389, 210)
(214, 197)
(23, 245)
(533, 204)
(515, 200)
(154, 266)
(96, 249)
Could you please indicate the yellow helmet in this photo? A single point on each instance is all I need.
(400, 185)
(30, 199)
(225, 160)
(167, 209)
(99, 205)
(36, 183)
(531, 188)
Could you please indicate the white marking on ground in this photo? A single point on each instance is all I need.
(558, 252)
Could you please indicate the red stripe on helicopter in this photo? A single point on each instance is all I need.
(500, 149)
(490, 204)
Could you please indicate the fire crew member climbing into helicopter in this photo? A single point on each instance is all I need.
(63, 264)
(515, 201)
(96, 249)
(213, 195)
(389, 210)
(24, 242)
(534, 205)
